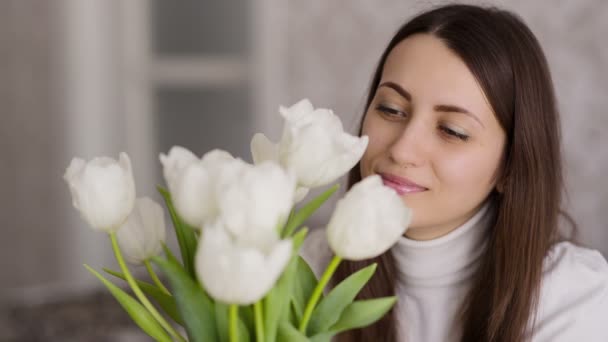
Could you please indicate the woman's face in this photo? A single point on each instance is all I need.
(433, 136)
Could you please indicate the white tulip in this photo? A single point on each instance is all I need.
(174, 164)
(255, 200)
(237, 274)
(143, 233)
(314, 146)
(103, 190)
(192, 182)
(367, 221)
(262, 150)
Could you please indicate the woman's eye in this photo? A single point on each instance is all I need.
(390, 111)
(452, 133)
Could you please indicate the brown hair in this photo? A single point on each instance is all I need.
(508, 63)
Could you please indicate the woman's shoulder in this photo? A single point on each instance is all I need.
(568, 261)
(573, 300)
(315, 250)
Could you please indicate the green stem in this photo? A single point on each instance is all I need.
(259, 321)
(233, 311)
(289, 226)
(155, 279)
(316, 294)
(138, 293)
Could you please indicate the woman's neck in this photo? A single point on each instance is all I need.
(426, 233)
(445, 260)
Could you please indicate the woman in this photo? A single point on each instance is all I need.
(462, 120)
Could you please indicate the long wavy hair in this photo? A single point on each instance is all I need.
(509, 65)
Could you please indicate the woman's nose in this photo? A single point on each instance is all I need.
(408, 149)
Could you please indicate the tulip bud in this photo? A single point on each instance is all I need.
(315, 147)
(237, 274)
(174, 164)
(143, 233)
(103, 190)
(255, 200)
(367, 221)
(192, 182)
(262, 149)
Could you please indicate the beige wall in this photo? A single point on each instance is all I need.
(32, 138)
(54, 105)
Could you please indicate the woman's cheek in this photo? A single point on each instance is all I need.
(465, 170)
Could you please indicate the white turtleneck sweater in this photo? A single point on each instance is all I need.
(434, 276)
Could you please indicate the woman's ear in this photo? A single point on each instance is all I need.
(502, 175)
(500, 185)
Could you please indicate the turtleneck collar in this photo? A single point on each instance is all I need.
(447, 260)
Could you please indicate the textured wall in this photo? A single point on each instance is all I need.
(31, 141)
(334, 45)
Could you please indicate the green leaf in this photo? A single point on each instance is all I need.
(169, 254)
(307, 210)
(298, 238)
(138, 313)
(288, 332)
(276, 302)
(185, 234)
(166, 302)
(358, 314)
(195, 307)
(303, 286)
(331, 307)
(243, 331)
(322, 337)
(292, 314)
(362, 313)
(246, 315)
(221, 321)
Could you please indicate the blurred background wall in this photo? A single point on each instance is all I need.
(96, 77)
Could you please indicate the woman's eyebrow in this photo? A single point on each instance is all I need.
(439, 108)
(398, 89)
(456, 109)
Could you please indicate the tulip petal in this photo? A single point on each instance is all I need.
(367, 221)
(236, 274)
(351, 152)
(142, 234)
(103, 190)
(300, 194)
(297, 111)
(216, 157)
(314, 145)
(262, 149)
(263, 194)
(174, 163)
(192, 181)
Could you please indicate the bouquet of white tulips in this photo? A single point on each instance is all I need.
(240, 277)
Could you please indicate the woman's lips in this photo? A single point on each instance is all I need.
(401, 185)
